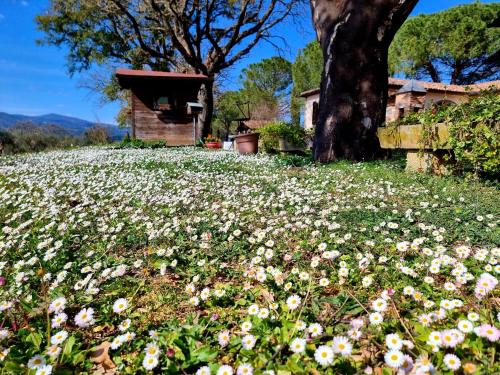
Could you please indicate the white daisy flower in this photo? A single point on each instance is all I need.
(150, 362)
(253, 309)
(324, 282)
(53, 351)
(435, 338)
(57, 305)
(263, 313)
(300, 325)
(315, 329)
(59, 338)
(58, 320)
(224, 338)
(473, 316)
(244, 369)
(324, 355)
(465, 326)
(36, 362)
(293, 302)
(85, 318)
(225, 370)
(452, 362)
(394, 358)
(123, 326)
(246, 326)
(248, 342)
(376, 318)
(341, 345)
(393, 341)
(44, 370)
(152, 350)
(298, 345)
(379, 305)
(205, 370)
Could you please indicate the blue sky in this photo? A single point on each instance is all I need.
(34, 79)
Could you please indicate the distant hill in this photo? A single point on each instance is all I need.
(27, 127)
(72, 125)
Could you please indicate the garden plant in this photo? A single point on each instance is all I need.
(185, 261)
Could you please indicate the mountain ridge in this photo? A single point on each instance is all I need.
(73, 125)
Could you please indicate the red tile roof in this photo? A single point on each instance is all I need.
(437, 86)
(432, 86)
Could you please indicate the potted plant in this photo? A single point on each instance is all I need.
(247, 143)
(212, 141)
(283, 137)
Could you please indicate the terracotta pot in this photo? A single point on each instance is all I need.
(213, 145)
(247, 143)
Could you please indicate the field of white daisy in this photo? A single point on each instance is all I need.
(185, 261)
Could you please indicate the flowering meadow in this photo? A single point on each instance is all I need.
(186, 261)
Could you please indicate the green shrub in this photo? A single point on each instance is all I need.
(138, 143)
(474, 132)
(271, 133)
(97, 135)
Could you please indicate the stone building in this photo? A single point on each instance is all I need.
(406, 96)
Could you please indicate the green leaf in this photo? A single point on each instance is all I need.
(68, 346)
(35, 339)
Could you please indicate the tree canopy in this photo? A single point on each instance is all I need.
(228, 108)
(264, 94)
(306, 75)
(266, 87)
(459, 45)
(203, 36)
(270, 78)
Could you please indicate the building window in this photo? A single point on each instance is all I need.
(401, 113)
(315, 113)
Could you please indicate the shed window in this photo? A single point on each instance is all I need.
(164, 103)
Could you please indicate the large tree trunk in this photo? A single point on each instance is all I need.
(206, 99)
(355, 36)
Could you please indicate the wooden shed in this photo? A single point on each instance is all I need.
(164, 105)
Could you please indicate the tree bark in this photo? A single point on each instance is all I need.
(206, 99)
(355, 36)
(457, 72)
(433, 73)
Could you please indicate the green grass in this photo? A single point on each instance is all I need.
(175, 218)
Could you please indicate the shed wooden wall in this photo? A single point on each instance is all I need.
(176, 128)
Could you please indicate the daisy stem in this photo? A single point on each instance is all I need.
(357, 300)
(302, 307)
(283, 346)
(136, 291)
(48, 325)
(402, 322)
